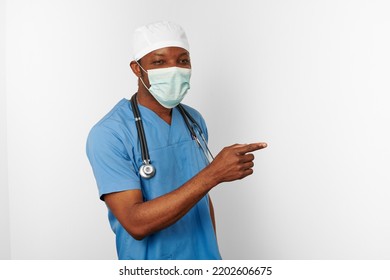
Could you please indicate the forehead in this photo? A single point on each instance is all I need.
(168, 52)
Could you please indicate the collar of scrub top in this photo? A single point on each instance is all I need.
(147, 170)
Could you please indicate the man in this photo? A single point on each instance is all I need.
(169, 214)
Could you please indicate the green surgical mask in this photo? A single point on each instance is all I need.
(168, 85)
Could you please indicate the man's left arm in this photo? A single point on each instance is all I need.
(212, 215)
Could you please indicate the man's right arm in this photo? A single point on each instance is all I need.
(141, 219)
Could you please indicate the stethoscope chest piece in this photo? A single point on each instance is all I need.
(147, 171)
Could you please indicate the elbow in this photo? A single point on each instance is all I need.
(138, 233)
(138, 237)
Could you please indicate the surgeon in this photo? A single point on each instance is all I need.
(150, 157)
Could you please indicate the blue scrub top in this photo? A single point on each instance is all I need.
(113, 149)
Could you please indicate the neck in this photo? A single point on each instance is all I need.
(147, 100)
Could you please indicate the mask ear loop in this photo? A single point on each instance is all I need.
(141, 67)
(142, 81)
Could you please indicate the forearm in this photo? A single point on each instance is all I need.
(159, 213)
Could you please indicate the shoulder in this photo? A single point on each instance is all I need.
(194, 113)
(198, 118)
(113, 128)
(120, 113)
(114, 121)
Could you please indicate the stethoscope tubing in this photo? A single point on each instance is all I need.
(188, 115)
(140, 130)
(143, 143)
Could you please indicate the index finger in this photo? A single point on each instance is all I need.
(251, 147)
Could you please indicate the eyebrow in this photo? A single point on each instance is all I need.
(184, 53)
(161, 54)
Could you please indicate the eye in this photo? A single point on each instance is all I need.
(185, 61)
(158, 62)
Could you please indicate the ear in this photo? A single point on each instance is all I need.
(136, 69)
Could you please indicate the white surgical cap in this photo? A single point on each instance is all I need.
(156, 36)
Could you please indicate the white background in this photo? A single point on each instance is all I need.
(4, 201)
(311, 78)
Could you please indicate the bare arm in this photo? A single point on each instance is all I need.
(212, 216)
(141, 219)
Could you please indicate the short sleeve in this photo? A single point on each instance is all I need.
(111, 164)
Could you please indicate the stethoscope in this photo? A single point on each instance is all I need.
(147, 170)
